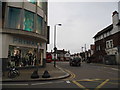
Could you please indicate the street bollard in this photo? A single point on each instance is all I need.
(35, 74)
(46, 74)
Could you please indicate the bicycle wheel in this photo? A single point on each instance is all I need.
(17, 72)
(11, 74)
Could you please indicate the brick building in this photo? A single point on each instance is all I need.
(107, 42)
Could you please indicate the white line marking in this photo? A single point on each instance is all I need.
(46, 83)
(14, 84)
(67, 81)
(114, 69)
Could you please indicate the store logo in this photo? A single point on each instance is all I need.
(23, 41)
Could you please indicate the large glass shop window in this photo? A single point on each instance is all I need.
(14, 18)
(45, 7)
(40, 3)
(22, 56)
(28, 21)
(39, 24)
(32, 1)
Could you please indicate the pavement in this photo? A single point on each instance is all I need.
(25, 74)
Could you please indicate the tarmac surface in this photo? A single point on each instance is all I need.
(54, 72)
(25, 74)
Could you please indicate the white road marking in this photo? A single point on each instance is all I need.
(114, 69)
(88, 79)
(46, 83)
(14, 84)
(67, 81)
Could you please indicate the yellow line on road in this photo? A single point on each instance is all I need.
(103, 83)
(110, 83)
(88, 80)
(79, 85)
(71, 73)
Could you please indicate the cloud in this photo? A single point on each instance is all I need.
(80, 22)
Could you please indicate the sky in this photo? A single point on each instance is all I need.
(80, 22)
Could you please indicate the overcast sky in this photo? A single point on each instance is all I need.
(80, 22)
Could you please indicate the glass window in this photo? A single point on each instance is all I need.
(45, 7)
(39, 24)
(104, 34)
(40, 3)
(32, 1)
(14, 18)
(111, 44)
(107, 44)
(28, 21)
(45, 29)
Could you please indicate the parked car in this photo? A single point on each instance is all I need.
(75, 62)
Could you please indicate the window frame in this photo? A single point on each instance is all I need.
(8, 24)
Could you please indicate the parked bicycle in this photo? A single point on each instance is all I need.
(13, 72)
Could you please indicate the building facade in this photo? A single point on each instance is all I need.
(107, 42)
(24, 33)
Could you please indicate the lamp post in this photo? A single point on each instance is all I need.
(55, 48)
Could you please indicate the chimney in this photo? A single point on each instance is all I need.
(115, 17)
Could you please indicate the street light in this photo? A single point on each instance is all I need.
(55, 48)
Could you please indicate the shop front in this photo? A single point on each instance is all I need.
(24, 52)
(23, 56)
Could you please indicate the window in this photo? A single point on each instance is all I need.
(45, 29)
(40, 3)
(98, 47)
(45, 7)
(108, 33)
(32, 1)
(14, 18)
(28, 21)
(104, 35)
(39, 24)
(101, 36)
(109, 44)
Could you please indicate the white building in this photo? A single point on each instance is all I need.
(24, 31)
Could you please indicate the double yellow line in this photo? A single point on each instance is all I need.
(71, 73)
(81, 86)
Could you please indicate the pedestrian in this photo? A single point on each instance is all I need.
(26, 59)
(30, 58)
(17, 58)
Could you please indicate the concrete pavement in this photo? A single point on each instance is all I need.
(25, 74)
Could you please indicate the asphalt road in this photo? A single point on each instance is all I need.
(86, 76)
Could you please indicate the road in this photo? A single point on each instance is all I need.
(86, 76)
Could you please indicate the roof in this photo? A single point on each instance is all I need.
(109, 28)
(61, 51)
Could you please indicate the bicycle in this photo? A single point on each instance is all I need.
(13, 72)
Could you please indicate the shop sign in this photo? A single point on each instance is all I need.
(25, 42)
